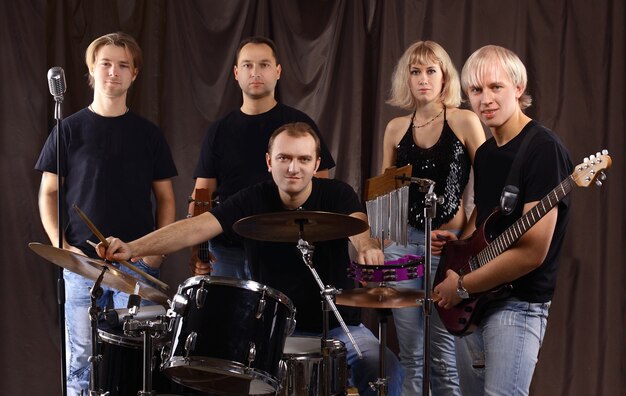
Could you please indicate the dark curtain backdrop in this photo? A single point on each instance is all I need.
(337, 59)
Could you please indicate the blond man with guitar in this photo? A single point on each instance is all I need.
(501, 327)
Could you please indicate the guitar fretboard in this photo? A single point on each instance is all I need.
(523, 224)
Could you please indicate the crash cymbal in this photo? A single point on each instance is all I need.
(286, 226)
(380, 297)
(91, 268)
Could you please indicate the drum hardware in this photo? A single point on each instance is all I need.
(430, 209)
(387, 211)
(321, 226)
(328, 294)
(149, 330)
(95, 293)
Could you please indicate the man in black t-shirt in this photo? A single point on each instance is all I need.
(233, 149)
(113, 162)
(499, 357)
(293, 159)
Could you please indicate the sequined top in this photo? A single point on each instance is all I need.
(447, 163)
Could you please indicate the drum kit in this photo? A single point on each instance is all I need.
(227, 336)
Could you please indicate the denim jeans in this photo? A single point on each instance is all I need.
(78, 325)
(499, 358)
(366, 370)
(409, 323)
(231, 261)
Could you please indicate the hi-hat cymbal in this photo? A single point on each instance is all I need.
(286, 226)
(380, 297)
(91, 268)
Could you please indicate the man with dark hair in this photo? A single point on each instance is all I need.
(292, 160)
(233, 149)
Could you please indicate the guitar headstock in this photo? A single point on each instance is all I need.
(202, 201)
(592, 169)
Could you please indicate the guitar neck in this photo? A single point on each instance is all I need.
(522, 225)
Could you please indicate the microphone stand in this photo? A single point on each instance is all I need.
(58, 100)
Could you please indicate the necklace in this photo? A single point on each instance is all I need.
(93, 111)
(428, 122)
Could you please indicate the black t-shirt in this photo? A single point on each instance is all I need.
(234, 147)
(280, 265)
(109, 166)
(545, 165)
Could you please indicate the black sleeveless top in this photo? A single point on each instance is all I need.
(447, 163)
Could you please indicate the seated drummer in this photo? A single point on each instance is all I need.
(293, 158)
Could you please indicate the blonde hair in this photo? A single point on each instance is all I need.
(424, 52)
(483, 60)
(118, 39)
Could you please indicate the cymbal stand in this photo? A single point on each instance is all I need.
(94, 294)
(328, 295)
(430, 210)
(381, 382)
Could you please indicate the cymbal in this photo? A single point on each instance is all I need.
(380, 297)
(286, 226)
(91, 268)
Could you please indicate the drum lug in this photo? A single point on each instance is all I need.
(190, 343)
(261, 307)
(201, 295)
(251, 354)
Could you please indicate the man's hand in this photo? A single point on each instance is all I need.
(371, 255)
(445, 293)
(117, 250)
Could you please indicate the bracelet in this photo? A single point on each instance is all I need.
(189, 215)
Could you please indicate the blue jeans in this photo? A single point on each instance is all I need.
(366, 370)
(409, 323)
(499, 358)
(231, 261)
(78, 325)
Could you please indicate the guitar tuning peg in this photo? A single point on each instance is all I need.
(585, 160)
(602, 176)
(598, 183)
(592, 157)
(605, 152)
(598, 154)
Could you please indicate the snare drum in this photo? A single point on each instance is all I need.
(404, 268)
(304, 360)
(228, 335)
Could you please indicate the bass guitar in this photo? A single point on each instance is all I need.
(202, 203)
(467, 255)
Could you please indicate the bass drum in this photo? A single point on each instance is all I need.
(304, 360)
(228, 336)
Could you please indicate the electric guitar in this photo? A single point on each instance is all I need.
(202, 203)
(467, 255)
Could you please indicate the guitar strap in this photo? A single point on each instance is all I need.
(510, 192)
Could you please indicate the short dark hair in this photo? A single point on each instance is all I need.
(257, 40)
(296, 129)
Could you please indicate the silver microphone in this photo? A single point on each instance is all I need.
(56, 82)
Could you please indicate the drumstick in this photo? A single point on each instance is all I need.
(104, 242)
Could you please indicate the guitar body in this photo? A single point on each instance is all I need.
(461, 319)
(467, 255)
